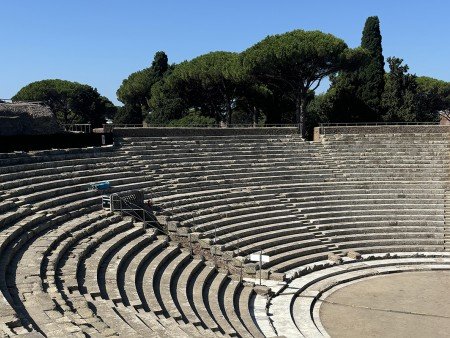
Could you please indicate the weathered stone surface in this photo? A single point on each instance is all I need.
(27, 119)
(277, 276)
(173, 226)
(334, 258)
(262, 290)
(251, 268)
(205, 243)
(353, 254)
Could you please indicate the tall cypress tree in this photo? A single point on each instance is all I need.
(356, 96)
(160, 63)
(371, 76)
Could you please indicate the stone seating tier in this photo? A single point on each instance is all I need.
(97, 274)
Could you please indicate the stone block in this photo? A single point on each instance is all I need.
(195, 236)
(262, 290)
(215, 250)
(228, 255)
(263, 273)
(205, 243)
(223, 270)
(251, 268)
(238, 262)
(334, 258)
(353, 254)
(278, 276)
(183, 231)
(172, 226)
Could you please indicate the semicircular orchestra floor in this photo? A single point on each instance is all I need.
(407, 304)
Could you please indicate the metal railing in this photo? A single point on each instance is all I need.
(131, 209)
(85, 128)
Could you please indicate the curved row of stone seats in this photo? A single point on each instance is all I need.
(356, 194)
(374, 151)
(177, 163)
(40, 156)
(408, 218)
(152, 279)
(201, 207)
(360, 153)
(65, 284)
(20, 278)
(16, 232)
(171, 199)
(391, 176)
(73, 188)
(218, 221)
(72, 256)
(249, 229)
(256, 230)
(402, 207)
(396, 145)
(45, 185)
(196, 150)
(254, 242)
(64, 175)
(71, 307)
(120, 321)
(224, 173)
(367, 161)
(186, 141)
(189, 291)
(212, 150)
(114, 278)
(197, 171)
(396, 138)
(36, 169)
(230, 184)
(69, 304)
(303, 304)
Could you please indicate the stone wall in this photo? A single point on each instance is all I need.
(27, 119)
(168, 132)
(385, 129)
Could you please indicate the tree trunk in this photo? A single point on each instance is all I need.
(300, 109)
(303, 117)
(229, 112)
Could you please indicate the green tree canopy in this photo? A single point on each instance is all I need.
(355, 96)
(371, 75)
(435, 97)
(400, 100)
(211, 83)
(166, 103)
(135, 91)
(160, 64)
(296, 62)
(71, 102)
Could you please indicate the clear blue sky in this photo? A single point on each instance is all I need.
(100, 42)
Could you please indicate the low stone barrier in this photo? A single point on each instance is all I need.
(169, 132)
(383, 129)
